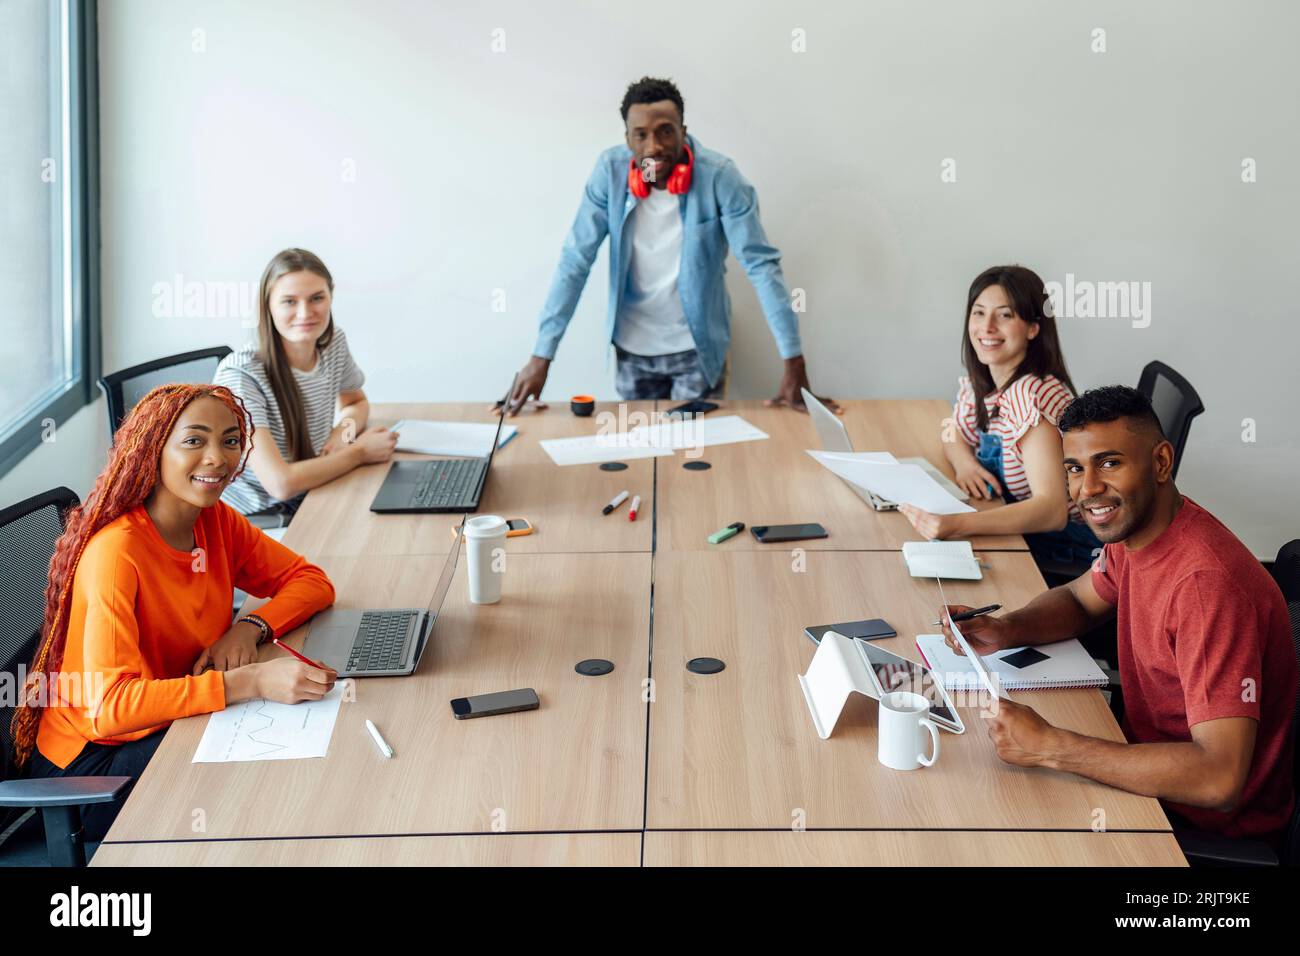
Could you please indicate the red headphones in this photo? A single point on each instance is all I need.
(679, 180)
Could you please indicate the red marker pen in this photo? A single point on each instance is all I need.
(636, 504)
(306, 660)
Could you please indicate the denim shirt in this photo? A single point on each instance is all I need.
(719, 212)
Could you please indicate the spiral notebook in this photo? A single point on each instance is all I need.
(1063, 664)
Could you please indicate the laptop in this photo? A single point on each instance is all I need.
(380, 642)
(440, 486)
(835, 437)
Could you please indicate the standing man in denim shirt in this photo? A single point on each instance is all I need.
(671, 209)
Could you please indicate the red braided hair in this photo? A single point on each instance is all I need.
(132, 472)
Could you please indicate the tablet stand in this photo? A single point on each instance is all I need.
(837, 670)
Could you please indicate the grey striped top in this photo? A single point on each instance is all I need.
(244, 374)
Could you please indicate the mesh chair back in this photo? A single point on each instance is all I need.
(1175, 403)
(122, 390)
(1286, 571)
(28, 532)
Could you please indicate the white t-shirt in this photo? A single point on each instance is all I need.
(651, 320)
(244, 374)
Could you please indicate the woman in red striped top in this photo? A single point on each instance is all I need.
(1003, 440)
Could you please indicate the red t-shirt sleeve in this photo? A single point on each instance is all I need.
(1105, 575)
(1218, 646)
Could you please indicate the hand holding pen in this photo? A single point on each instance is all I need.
(983, 632)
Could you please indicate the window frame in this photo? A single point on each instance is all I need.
(81, 244)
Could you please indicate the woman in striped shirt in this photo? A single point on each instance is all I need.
(1003, 440)
(296, 382)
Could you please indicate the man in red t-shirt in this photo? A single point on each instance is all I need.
(1205, 655)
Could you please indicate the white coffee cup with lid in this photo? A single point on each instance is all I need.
(485, 541)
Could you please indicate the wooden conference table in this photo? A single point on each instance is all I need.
(651, 764)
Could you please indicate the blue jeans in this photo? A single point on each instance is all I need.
(1074, 544)
(678, 376)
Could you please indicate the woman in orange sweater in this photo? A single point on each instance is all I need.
(137, 628)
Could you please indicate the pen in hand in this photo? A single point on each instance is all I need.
(967, 615)
(306, 660)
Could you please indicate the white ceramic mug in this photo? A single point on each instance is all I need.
(901, 730)
(485, 538)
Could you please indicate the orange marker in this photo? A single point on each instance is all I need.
(636, 503)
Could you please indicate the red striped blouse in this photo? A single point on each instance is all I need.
(1012, 412)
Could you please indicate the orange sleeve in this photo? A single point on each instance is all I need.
(266, 568)
(120, 703)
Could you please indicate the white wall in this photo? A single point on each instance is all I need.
(72, 459)
(1122, 165)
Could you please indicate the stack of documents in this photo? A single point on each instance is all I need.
(884, 476)
(454, 439)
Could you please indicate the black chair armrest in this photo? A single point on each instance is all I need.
(60, 791)
(1211, 849)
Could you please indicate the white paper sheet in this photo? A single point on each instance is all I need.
(904, 484)
(651, 441)
(698, 432)
(841, 461)
(264, 730)
(456, 439)
(994, 687)
(592, 449)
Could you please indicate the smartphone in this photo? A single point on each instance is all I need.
(771, 534)
(872, 630)
(489, 705)
(697, 407)
(514, 528)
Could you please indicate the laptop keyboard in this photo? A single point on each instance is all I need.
(448, 483)
(381, 641)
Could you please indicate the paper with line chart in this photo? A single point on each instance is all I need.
(264, 730)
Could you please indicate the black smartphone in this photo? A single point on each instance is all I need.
(489, 705)
(697, 407)
(774, 533)
(872, 630)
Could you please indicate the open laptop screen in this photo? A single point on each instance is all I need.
(834, 436)
(444, 582)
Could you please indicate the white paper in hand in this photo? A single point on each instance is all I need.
(904, 484)
(993, 686)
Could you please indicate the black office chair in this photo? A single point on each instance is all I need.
(28, 532)
(1175, 403)
(124, 389)
(1206, 849)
